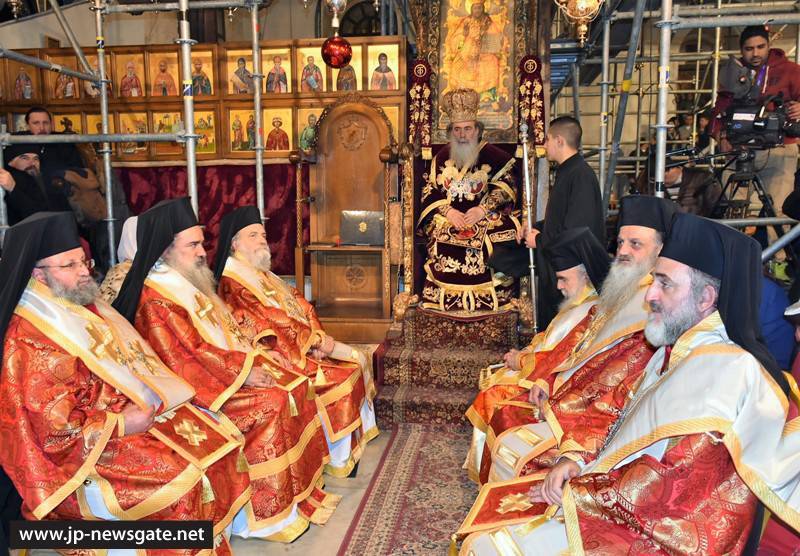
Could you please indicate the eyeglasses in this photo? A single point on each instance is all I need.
(74, 265)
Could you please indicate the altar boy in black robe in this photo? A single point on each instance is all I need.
(575, 201)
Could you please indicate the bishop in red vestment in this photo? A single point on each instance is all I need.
(170, 296)
(261, 301)
(92, 424)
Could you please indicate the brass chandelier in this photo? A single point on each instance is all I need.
(581, 13)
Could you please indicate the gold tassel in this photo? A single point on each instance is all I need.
(453, 551)
(427, 153)
(319, 379)
(292, 406)
(208, 491)
(241, 463)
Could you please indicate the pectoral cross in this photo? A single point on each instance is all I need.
(514, 503)
(265, 288)
(205, 308)
(103, 344)
(149, 361)
(191, 432)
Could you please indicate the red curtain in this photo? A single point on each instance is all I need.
(221, 189)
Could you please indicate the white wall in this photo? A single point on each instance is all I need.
(285, 19)
(121, 29)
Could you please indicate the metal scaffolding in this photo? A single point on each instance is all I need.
(99, 76)
(701, 87)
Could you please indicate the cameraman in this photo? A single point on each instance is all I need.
(762, 72)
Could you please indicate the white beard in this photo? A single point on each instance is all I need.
(622, 284)
(464, 155)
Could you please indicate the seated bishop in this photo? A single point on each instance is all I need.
(576, 399)
(709, 436)
(466, 213)
(260, 300)
(93, 425)
(170, 296)
(581, 264)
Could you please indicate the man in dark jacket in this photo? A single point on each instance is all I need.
(696, 191)
(575, 201)
(760, 73)
(26, 190)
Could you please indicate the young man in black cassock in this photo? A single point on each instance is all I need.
(575, 201)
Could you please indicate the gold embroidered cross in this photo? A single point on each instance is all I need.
(139, 354)
(265, 288)
(103, 344)
(514, 503)
(234, 329)
(191, 432)
(205, 308)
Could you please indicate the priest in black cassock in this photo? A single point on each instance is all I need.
(575, 201)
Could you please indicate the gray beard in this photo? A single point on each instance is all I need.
(198, 274)
(463, 155)
(672, 326)
(260, 259)
(82, 294)
(566, 303)
(621, 285)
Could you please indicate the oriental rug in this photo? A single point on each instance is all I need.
(418, 495)
(429, 372)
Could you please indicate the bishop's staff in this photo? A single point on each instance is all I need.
(523, 132)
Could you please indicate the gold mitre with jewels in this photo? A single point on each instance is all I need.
(461, 105)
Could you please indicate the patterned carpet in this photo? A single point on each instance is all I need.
(418, 496)
(430, 371)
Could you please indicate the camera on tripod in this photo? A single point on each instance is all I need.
(749, 124)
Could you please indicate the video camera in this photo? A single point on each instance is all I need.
(749, 124)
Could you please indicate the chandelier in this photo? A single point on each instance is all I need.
(17, 8)
(581, 13)
(337, 7)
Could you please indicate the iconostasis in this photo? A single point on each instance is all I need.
(145, 94)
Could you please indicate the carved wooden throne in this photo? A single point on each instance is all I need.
(352, 284)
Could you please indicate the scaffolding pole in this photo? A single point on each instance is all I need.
(185, 41)
(576, 84)
(71, 38)
(727, 9)
(105, 150)
(797, 46)
(735, 21)
(663, 91)
(258, 76)
(604, 84)
(682, 57)
(622, 107)
(715, 75)
(174, 6)
(3, 210)
(68, 138)
(30, 60)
